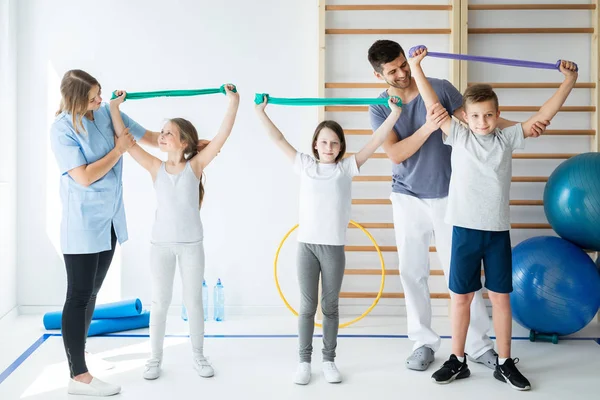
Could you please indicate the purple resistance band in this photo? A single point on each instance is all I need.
(492, 60)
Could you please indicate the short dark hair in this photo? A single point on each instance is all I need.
(337, 129)
(382, 52)
(479, 93)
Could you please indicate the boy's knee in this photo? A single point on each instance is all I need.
(500, 300)
(462, 300)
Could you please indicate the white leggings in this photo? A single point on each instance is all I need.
(190, 258)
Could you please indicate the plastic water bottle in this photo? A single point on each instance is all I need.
(205, 299)
(183, 312)
(219, 301)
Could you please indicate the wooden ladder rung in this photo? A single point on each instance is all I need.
(570, 132)
(549, 132)
(532, 85)
(502, 108)
(415, 31)
(382, 248)
(368, 202)
(537, 108)
(356, 271)
(529, 179)
(531, 7)
(516, 156)
(393, 271)
(496, 85)
(529, 225)
(388, 7)
(542, 156)
(356, 85)
(372, 295)
(511, 31)
(432, 249)
(372, 178)
(389, 225)
(388, 202)
(387, 178)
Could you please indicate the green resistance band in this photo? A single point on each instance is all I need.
(307, 101)
(172, 93)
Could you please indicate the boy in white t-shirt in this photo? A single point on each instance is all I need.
(478, 209)
(325, 203)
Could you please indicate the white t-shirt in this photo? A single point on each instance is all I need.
(325, 199)
(481, 174)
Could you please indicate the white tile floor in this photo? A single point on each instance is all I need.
(262, 368)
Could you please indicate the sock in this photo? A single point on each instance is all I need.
(461, 359)
(501, 361)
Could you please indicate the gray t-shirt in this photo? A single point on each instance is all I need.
(426, 174)
(481, 174)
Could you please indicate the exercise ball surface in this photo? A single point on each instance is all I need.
(572, 200)
(556, 286)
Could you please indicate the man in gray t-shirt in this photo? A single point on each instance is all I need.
(421, 176)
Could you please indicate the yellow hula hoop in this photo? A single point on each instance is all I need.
(345, 324)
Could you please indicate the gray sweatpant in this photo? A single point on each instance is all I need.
(329, 262)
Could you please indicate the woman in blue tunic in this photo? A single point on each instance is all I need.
(93, 220)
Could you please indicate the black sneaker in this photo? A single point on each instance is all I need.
(509, 373)
(451, 370)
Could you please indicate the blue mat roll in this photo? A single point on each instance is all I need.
(119, 309)
(102, 326)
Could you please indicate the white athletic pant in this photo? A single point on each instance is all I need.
(415, 220)
(163, 259)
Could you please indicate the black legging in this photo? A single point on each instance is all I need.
(85, 274)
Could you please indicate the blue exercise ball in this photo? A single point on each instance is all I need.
(556, 286)
(572, 200)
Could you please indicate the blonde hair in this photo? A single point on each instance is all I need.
(189, 136)
(75, 90)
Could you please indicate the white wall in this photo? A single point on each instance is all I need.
(251, 192)
(8, 149)
(262, 46)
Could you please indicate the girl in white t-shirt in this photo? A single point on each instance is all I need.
(325, 202)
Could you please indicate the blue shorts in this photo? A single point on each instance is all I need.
(469, 248)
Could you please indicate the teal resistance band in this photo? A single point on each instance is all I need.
(172, 93)
(307, 101)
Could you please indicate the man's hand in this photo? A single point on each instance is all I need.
(436, 115)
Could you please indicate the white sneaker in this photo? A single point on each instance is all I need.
(96, 363)
(152, 369)
(203, 367)
(332, 375)
(95, 388)
(302, 374)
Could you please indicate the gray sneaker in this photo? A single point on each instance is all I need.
(488, 359)
(420, 359)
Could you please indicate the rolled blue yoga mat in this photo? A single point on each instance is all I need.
(119, 309)
(102, 326)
